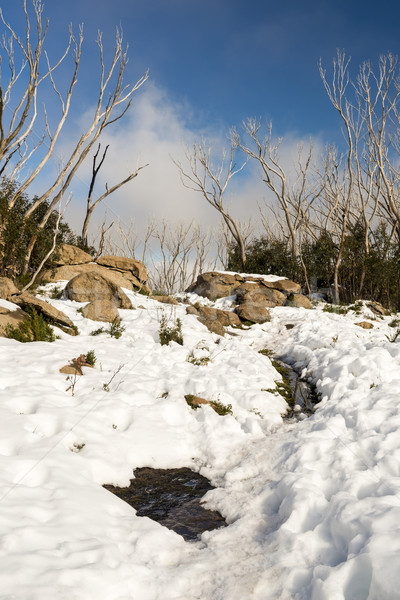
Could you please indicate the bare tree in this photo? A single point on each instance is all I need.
(212, 181)
(91, 204)
(113, 100)
(295, 197)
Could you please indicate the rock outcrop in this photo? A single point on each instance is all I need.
(123, 272)
(254, 295)
(91, 286)
(101, 310)
(72, 255)
(7, 288)
(47, 310)
(10, 317)
(214, 319)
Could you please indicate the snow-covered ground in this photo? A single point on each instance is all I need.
(313, 507)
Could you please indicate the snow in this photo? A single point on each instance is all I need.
(312, 506)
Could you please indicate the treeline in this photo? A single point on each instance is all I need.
(372, 276)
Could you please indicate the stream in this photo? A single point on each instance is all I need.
(172, 497)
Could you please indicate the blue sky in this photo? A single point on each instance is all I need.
(229, 59)
(215, 62)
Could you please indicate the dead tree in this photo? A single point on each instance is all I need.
(295, 195)
(114, 99)
(91, 204)
(212, 181)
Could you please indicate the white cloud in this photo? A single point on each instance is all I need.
(154, 130)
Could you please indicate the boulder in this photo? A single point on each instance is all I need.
(47, 310)
(123, 279)
(102, 309)
(378, 309)
(165, 299)
(214, 319)
(283, 285)
(72, 255)
(215, 285)
(298, 301)
(260, 295)
(125, 264)
(255, 313)
(364, 325)
(71, 370)
(10, 317)
(91, 286)
(7, 288)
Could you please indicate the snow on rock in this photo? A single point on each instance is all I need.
(313, 506)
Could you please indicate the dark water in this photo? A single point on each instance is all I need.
(171, 497)
(304, 393)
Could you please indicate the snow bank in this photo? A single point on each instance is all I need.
(313, 507)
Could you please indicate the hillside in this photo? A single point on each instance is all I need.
(312, 504)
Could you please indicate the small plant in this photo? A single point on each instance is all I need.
(77, 447)
(266, 352)
(97, 331)
(106, 386)
(170, 333)
(197, 356)
(80, 311)
(394, 323)
(256, 412)
(116, 329)
(91, 358)
(283, 388)
(221, 409)
(56, 293)
(335, 339)
(33, 329)
(335, 309)
(394, 337)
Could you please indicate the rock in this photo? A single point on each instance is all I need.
(71, 370)
(195, 400)
(7, 288)
(26, 299)
(254, 313)
(165, 299)
(215, 285)
(260, 295)
(378, 309)
(124, 279)
(91, 286)
(72, 255)
(364, 325)
(214, 319)
(11, 317)
(283, 285)
(125, 264)
(101, 310)
(298, 301)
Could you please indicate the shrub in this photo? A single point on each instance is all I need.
(115, 329)
(170, 333)
(33, 329)
(90, 358)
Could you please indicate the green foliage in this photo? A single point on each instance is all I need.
(97, 331)
(33, 329)
(17, 231)
(116, 329)
(394, 323)
(371, 275)
(170, 333)
(336, 309)
(56, 293)
(221, 409)
(394, 337)
(90, 358)
(266, 352)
